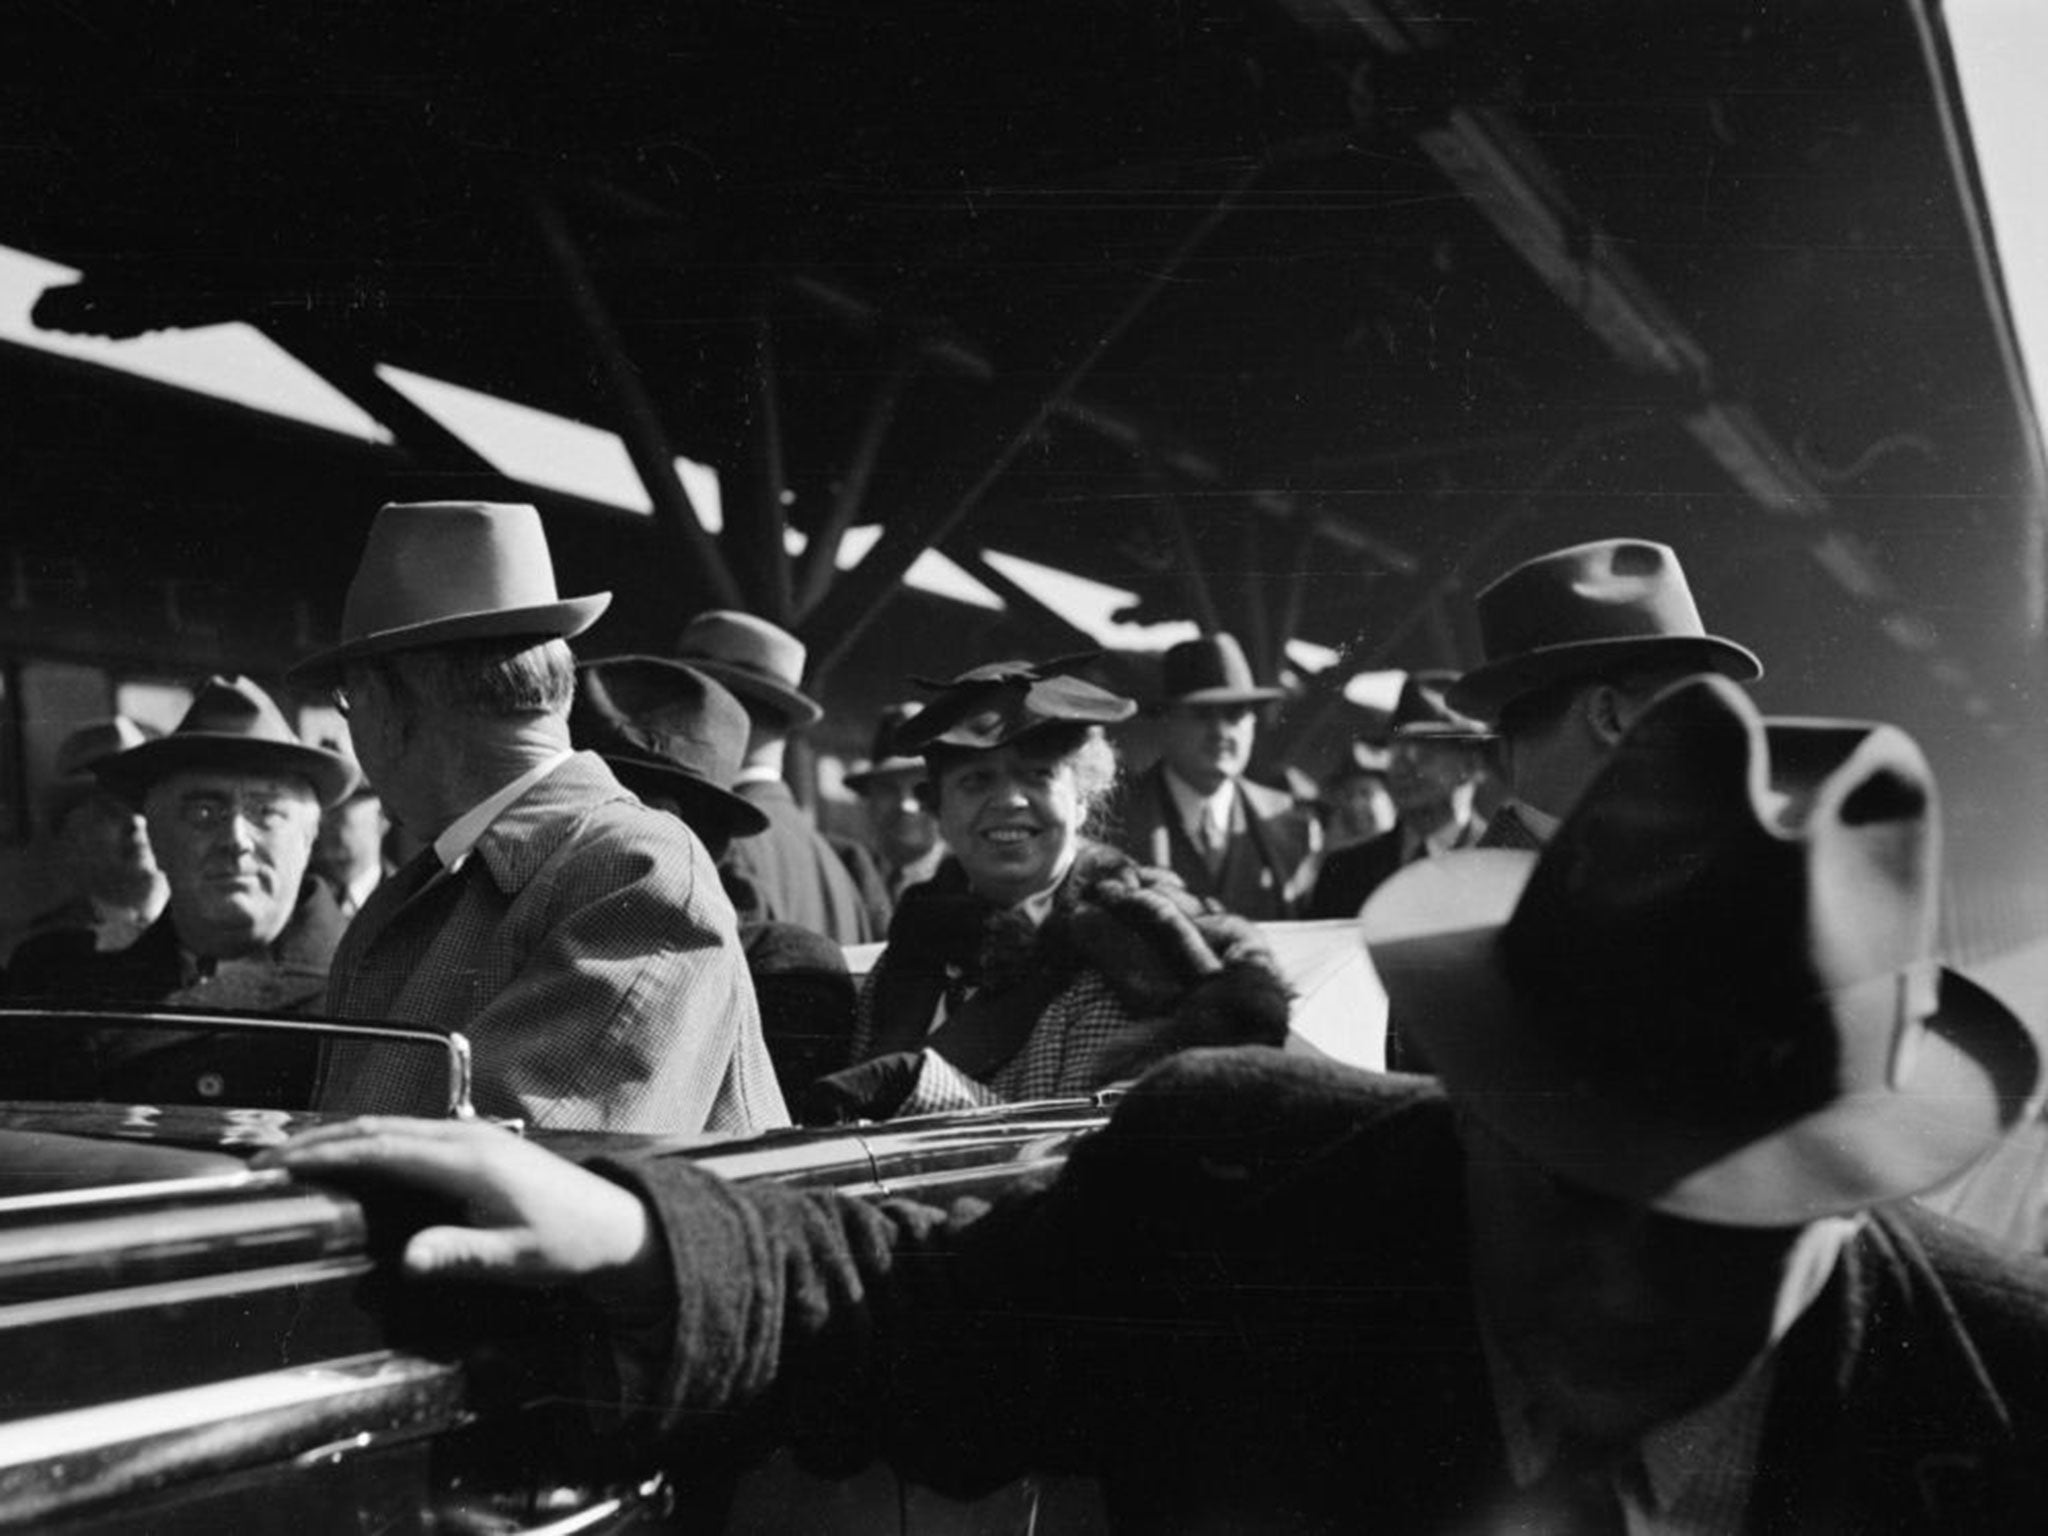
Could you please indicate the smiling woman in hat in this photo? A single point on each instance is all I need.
(1041, 963)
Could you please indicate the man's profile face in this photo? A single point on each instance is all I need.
(235, 848)
(351, 839)
(1617, 1316)
(1423, 775)
(106, 844)
(904, 830)
(1208, 743)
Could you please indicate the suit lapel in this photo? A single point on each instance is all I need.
(1884, 1418)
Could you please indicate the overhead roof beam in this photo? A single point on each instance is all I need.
(852, 605)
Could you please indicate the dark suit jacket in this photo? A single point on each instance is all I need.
(1268, 867)
(69, 1061)
(1246, 1306)
(1351, 874)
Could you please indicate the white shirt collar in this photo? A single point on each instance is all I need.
(360, 887)
(459, 838)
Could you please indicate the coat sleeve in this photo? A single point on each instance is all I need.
(632, 1009)
(969, 1345)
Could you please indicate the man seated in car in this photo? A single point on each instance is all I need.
(233, 800)
(1643, 1259)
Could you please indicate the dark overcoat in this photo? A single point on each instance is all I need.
(1246, 1306)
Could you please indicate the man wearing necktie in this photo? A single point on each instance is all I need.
(1643, 1257)
(1250, 847)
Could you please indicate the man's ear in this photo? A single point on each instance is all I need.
(1607, 713)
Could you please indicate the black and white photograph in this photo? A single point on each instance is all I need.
(1024, 768)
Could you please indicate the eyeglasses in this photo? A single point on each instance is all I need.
(210, 813)
(338, 697)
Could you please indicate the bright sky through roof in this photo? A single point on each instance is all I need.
(544, 449)
(1089, 605)
(2001, 49)
(233, 362)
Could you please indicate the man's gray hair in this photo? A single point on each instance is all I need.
(489, 679)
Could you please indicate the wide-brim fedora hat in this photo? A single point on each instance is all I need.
(439, 572)
(668, 732)
(1210, 669)
(885, 759)
(231, 726)
(760, 662)
(1591, 608)
(1003, 703)
(90, 743)
(1713, 993)
(1423, 711)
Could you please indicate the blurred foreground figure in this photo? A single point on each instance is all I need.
(580, 939)
(1642, 1260)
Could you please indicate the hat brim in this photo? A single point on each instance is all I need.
(887, 768)
(131, 773)
(1432, 933)
(562, 620)
(792, 706)
(1225, 696)
(651, 778)
(1491, 686)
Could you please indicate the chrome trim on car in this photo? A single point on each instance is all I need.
(67, 1462)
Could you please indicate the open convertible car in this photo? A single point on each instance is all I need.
(192, 1346)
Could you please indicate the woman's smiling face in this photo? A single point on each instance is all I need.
(1012, 818)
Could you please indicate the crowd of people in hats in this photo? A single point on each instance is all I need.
(1633, 1242)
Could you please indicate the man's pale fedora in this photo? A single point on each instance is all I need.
(232, 726)
(435, 572)
(1591, 608)
(758, 661)
(1714, 991)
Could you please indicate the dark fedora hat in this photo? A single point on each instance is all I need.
(1423, 712)
(232, 726)
(1590, 608)
(1210, 670)
(760, 662)
(886, 759)
(1713, 992)
(76, 755)
(1005, 701)
(437, 572)
(668, 732)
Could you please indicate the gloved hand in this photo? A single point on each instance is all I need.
(869, 1090)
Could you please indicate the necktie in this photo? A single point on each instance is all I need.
(1210, 844)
